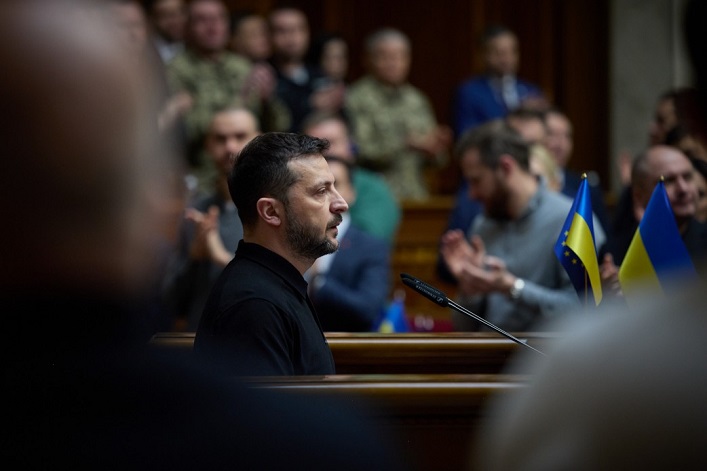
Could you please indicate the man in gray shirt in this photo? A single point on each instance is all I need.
(506, 269)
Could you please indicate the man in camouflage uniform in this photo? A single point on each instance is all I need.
(393, 122)
(216, 78)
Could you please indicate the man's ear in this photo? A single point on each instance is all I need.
(506, 163)
(270, 210)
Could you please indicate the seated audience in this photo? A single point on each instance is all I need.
(506, 270)
(620, 390)
(677, 170)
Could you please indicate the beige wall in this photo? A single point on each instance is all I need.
(646, 58)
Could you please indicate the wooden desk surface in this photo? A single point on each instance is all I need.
(406, 353)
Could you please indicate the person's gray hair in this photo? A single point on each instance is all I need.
(385, 34)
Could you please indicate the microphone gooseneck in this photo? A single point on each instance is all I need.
(438, 297)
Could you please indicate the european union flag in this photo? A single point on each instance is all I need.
(657, 256)
(576, 249)
(393, 318)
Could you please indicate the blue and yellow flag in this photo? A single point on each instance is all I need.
(657, 256)
(393, 318)
(576, 249)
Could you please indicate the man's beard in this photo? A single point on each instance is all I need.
(306, 241)
(496, 207)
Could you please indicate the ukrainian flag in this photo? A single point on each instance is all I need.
(576, 249)
(657, 256)
(393, 318)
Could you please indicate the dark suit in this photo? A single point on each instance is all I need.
(357, 284)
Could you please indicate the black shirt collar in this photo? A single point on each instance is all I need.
(274, 263)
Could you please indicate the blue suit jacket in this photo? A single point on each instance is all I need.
(477, 102)
(357, 284)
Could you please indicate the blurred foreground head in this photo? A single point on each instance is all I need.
(82, 168)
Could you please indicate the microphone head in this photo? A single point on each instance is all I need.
(431, 293)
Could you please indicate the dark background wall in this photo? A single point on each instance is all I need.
(564, 48)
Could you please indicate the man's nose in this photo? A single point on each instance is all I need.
(339, 205)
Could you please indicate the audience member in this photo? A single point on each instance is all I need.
(664, 118)
(167, 20)
(250, 36)
(82, 390)
(619, 390)
(513, 288)
(375, 210)
(215, 78)
(499, 90)
(258, 318)
(560, 142)
(530, 124)
(681, 138)
(330, 52)
(701, 185)
(542, 164)
(212, 227)
(302, 87)
(393, 122)
(349, 288)
(679, 176)
(662, 126)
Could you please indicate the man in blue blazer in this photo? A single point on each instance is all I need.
(350, 287)
(498, 91)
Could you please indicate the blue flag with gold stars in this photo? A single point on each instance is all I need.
(576, 249)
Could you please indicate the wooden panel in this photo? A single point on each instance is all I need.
(434, 418)
(407, 353)
(415, 252)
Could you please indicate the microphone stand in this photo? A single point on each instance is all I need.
(438, 297)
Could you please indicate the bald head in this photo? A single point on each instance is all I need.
(678, 173)
(76, 146)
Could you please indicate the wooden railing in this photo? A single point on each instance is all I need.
(435, 419)
(405, 353)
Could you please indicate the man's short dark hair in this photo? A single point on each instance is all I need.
(492, 140)
(261, 169)
(494, 31)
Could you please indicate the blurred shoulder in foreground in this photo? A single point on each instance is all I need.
(83, 177)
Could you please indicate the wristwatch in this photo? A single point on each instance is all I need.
(517, 288)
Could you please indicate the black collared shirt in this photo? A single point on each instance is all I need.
(258, 319)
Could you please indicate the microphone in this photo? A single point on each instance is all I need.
(438, 297)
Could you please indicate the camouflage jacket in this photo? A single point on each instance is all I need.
(383, 118)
